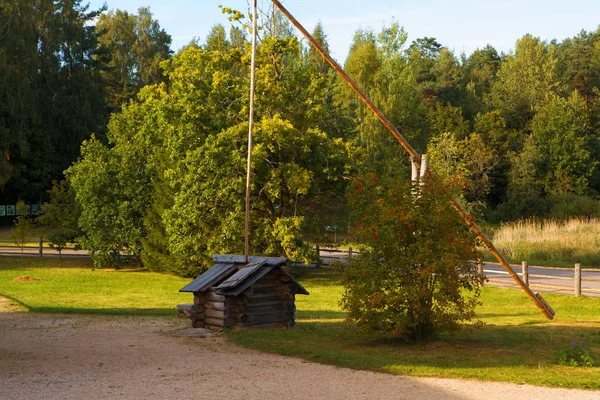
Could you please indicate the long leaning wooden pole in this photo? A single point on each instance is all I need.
(536, 298)
(250, 131)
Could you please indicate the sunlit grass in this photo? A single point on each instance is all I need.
(517, 344)
(72, 286)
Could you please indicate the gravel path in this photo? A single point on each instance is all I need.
(66, 357)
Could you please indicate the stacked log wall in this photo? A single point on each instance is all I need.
(198, 311)
(270, 302)
(222, 311)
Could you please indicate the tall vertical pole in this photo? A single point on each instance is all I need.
(250, 130)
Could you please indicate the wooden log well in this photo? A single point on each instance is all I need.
(269, 302)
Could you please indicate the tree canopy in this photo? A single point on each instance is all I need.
(152, 141)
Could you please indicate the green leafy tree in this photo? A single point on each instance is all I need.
(363, 63)
(110, 219)
(315, 60)
(467, 162)
(153, 189)
(422, 54)
(133, 46)
(217, 39)
(292, 170)
(414, 277)
(560, 132)
(525, 188)
(500, 141)
(60, 216)
(479, 74)
(447, 119)
(379, 66)
(580, 59)
(525, 81)
(18, 64)
(51, 95)
(21, 226)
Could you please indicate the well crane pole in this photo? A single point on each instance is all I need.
(535, 297)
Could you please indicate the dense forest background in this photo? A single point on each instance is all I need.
(63, 70)
(147, 147)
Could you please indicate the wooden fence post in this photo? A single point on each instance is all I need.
(41, 251)
(480, 269)
(319, 261)
(577, 280)
(525, 268)
(349, 253)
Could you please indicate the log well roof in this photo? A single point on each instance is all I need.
(231, 275)
(210, 278)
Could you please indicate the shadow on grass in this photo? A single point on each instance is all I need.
(519, 354)
(494, 315)
(320, 314)
(106, 311)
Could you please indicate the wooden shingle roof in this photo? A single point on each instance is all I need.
(210, 278)
(231, 275)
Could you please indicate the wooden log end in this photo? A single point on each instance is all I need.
(185, 310)
(214, 322)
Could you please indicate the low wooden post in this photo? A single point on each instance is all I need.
(414, 162)
(525, 268)
(349, 253)
(41, 251)
(577, 280)
(480, 270)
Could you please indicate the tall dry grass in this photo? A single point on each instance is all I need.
(536, 240)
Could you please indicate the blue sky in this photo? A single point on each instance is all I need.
(462, 26)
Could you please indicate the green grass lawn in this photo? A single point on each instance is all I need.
(517, 344)
(72, 286)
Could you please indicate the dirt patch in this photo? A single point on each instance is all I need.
(62, 357)
(8, 306)
(26, 279)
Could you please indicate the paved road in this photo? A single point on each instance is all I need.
(547, 279)
(541, 279)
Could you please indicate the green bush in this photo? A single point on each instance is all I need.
(414, 277)
(570, 205)
(576, 356)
